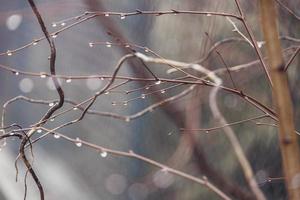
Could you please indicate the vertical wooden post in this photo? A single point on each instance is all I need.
(282, 100)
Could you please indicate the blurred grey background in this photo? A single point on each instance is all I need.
(68, 172)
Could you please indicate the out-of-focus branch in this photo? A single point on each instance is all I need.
(216, 112)
(288, 9)
(253, 40)
(163, 167)
(282, 100)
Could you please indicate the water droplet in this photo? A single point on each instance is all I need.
(34, 42)
(52, 119)
(260, 43)
(43, 75)
(54, 36)
(91, 44)
(170, 133)
(163, 91)
(147, 88)
(122, 16)
(101, 78)
(68, 80)
(113, 103)
(143, 96)
(78, 142)
(127, 45)
(108, 44)
(63, 24)
(54, 24)
(39, 130)
(206, 131)
(106, 15)
(75, 108)
(16, 73)
(103, 154)
(9, 53)
(208, 15)
(51, 104)
(106, 92)
(146, 50)
(127, 119)
(56, 136)
(125, 103)
(157, 82)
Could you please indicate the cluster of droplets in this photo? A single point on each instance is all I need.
(142, 96)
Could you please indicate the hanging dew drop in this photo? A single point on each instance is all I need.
(103, 154)
(163, 91)
(127, 119)
(43, 75)
(16, 73)
(260, 43)
(122, 16)
(54, 24)
(143, 96)
(113, 103)
(78, 142)
(146, 50)
(157, 82)
(56, 136)
(106, 15)
(54, 36)
(52, 119)
(51, 104)
(68, 80)
(125, 103)
(75, 108)
(63, 24)
(108, 44)
(39, 130)
(91, 44)
(9, 53)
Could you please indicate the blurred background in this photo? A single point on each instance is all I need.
(68, 172)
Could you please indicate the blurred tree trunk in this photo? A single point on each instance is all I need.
(281, 94)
